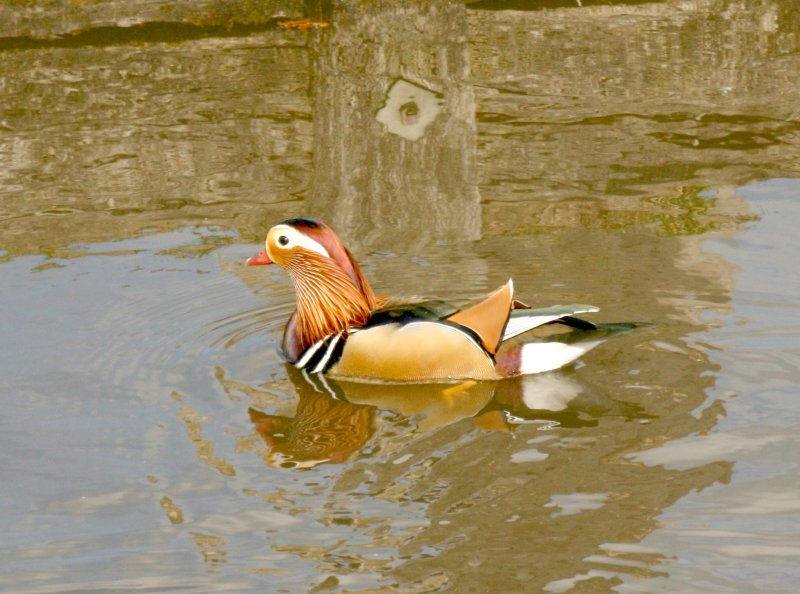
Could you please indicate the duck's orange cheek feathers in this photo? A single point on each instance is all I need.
(260, 259)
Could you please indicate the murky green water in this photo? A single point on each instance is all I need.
(643, 158)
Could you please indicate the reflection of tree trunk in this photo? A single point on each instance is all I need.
(370, 181)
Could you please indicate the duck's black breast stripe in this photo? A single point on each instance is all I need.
(334, 352)
(307, 356)
(323, 354)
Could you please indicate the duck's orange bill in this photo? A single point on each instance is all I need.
(259, 259)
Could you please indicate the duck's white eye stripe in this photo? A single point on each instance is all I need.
(289, 237)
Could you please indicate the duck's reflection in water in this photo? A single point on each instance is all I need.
(325, 427)
(335, 420)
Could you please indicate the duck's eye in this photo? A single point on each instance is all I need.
(283, 240)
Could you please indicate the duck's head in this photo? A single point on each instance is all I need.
(332, 293)
(307, 246)
(292, 239)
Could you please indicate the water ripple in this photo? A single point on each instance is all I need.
(231, 330)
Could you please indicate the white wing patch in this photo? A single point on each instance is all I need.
(519, 324)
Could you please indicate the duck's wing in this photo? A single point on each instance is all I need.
(523, 320)
(407, 310)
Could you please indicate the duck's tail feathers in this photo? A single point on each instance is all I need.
(540, 355)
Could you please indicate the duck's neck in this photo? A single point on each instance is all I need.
(328, 302)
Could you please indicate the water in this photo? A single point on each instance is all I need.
(153, 441)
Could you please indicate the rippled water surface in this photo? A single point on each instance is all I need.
(641, 157)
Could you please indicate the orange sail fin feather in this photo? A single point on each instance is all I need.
(341, 329)
(489, 317)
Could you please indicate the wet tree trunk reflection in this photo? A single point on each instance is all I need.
(394, 116)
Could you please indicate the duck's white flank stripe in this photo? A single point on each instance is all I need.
(537, 357)
(327, 356)
(309, 353)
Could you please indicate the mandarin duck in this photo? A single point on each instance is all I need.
(340, 328)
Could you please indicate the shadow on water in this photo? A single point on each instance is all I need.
(590, 151)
